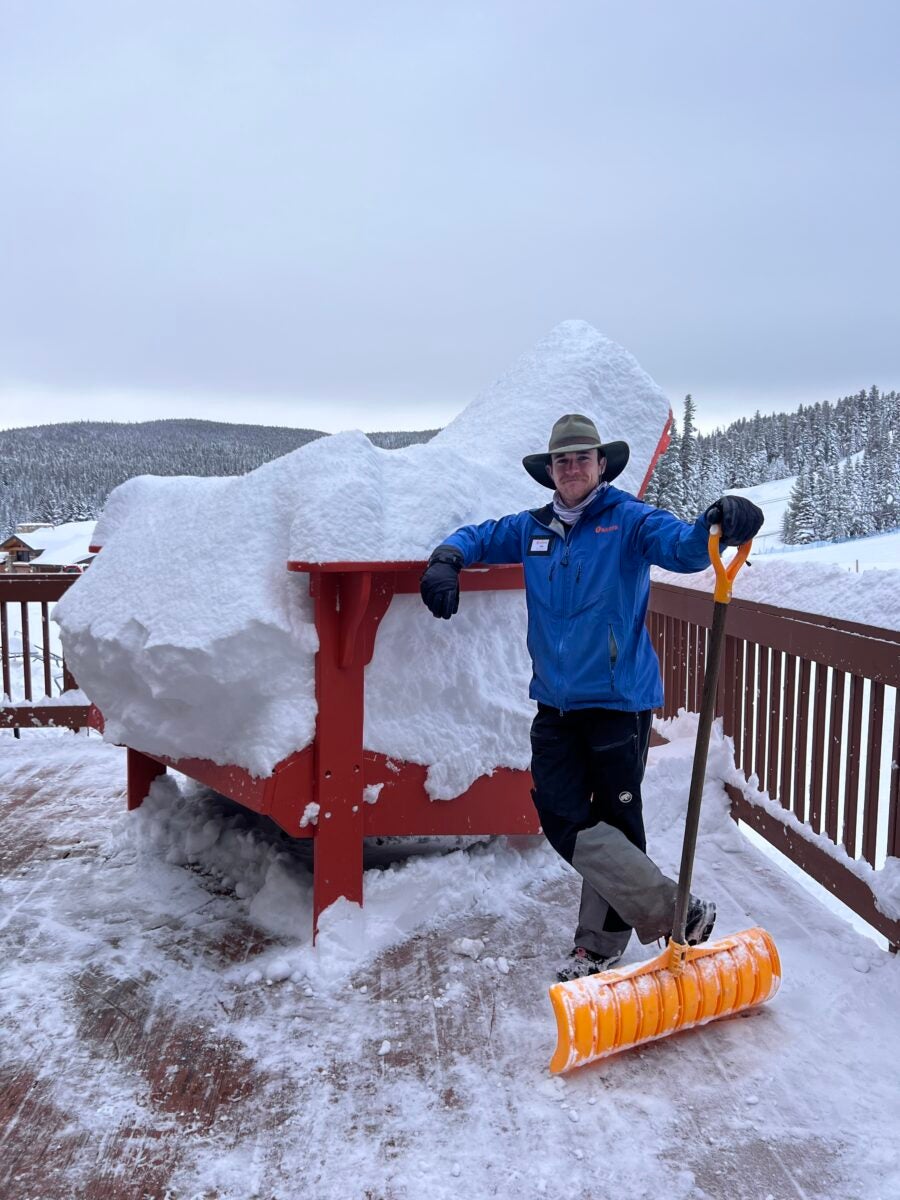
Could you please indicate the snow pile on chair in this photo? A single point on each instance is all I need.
(194, 640)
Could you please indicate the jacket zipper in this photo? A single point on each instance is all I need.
(564, 561)
(577, 573)
(613, 646)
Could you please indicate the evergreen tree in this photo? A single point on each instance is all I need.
(838, 515)
(859, 511)
(668, 490)
(689, 458)
(712, 479)
(800, 518)
(741, 474)
(777, 469)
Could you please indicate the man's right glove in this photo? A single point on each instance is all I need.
(439, 584)
(737, 517)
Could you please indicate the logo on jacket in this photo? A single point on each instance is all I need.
(626, 797)
(605, 528)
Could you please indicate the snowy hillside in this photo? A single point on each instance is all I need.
(881, 551)
(772, 498)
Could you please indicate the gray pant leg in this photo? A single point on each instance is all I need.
(631, 882)
(591, 919)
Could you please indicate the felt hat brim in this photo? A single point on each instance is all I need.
(615, 453)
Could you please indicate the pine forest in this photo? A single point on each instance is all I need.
(64, 472)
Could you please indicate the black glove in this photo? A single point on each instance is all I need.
(737, 517)
(439, 584)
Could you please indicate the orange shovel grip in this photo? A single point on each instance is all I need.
(725, 575)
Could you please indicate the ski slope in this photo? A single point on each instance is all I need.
(881, 551)
(772, 498)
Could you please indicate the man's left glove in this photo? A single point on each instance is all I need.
(439, 584)
(737, 517)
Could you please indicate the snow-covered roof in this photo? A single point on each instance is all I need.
(63, 544)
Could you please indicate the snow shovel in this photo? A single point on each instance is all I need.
(601, 1014)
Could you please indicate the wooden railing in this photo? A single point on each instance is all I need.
(811, 704)
(30, 668)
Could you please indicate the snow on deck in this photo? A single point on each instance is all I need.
(167, 1029)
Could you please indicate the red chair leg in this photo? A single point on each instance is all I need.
(141, 772)
(337, 861)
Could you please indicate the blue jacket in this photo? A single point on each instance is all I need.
(587, 590)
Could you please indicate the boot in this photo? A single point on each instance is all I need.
(583, 962)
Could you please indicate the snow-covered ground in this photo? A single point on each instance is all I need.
(880, 551)
(179, 1033)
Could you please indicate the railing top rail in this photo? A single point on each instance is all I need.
(872, 654)
(34, 587)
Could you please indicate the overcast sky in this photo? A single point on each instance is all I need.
(356, 214)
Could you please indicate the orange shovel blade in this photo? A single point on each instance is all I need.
(614, 1010)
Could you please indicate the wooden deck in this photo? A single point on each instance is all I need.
(146, 1069)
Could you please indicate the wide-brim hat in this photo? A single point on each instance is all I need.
(576, 432)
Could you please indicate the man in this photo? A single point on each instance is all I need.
(587, 558)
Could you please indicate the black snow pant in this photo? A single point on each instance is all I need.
(587, 766)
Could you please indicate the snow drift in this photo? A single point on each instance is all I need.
(194, 640)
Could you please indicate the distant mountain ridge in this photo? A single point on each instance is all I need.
(65, 471)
